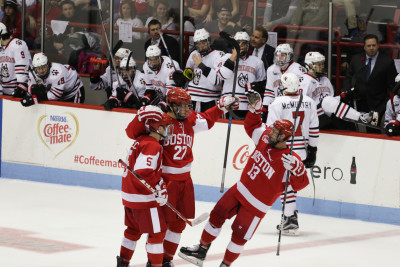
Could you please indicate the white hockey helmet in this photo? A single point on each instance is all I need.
(124, 61)
(201, 34)
(311, 59)
(397, 79)
(242, 36)
(39, 59)
(278, 55)
(122, 52)
(290, 83)
(3, 28)
(153, 51)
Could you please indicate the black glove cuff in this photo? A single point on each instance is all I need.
(229, 64)
(206, 70)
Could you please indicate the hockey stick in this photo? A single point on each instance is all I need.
(357, 123)
(129, 77)
(166, 48)
(192, 223)
(236, 46)
(287, 175)
(108, 43)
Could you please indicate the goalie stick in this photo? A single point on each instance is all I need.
(287, 175)
(236, 46)
(192, 223)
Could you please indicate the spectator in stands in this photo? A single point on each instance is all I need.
(34, 14)
(279, 12)
(311, 13)
(12, 18)
(245, 23)
(260, 48)
(161, 13)
(70, 14)
(356, 38)
(154, 28)
(224, 16)
(372, 76)
(217, 4)
(127, 15)
(350, 8)
(198, 9)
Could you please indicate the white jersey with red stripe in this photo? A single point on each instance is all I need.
(205, 87)
(251, 69)
(274, 74)
(392, 109)
(139, 84)
(14, 61)
(263, 178)
(105, 80)
(161, 80)
(63, 83)
(307, 124)
(144, 158)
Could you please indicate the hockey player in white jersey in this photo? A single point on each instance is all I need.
(283, 63)
(14, 61)
(204, 88)
(251, 69)
(305, 137)
(53, 81)
(392, 114)
(316, 85)
(104, 81)
(130, 89)
(158, 71)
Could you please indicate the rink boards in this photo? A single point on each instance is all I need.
(81, 146)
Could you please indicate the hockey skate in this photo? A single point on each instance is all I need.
(121, 262)
(195, 255)
(370, 118)
(290, 225)
(167, 263)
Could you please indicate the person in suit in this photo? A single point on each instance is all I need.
(262, 50)
(372, 75)
(154, 28)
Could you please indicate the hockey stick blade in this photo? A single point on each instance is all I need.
(196, 221)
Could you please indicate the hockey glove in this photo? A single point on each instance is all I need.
(163, 105)
(27, 100)
(254, 98)
(188, 73)
(258, 86)
(293, 164)
(228, 102)
(21, 90)
(393, 128)
(127, 97)
(150, 112)
(311, 157)
(40, 91)
(179, 78)
(145, 100)
(161, 194)
(110, 104)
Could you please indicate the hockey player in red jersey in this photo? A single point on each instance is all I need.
(143, 213)
(178, 157)
(14, 60)
(261, 183)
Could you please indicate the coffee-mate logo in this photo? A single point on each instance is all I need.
(58, 132)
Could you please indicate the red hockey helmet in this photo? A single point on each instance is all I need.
(166, 122)
(180, 102)
(285, 128)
